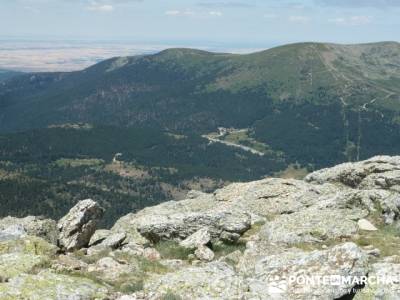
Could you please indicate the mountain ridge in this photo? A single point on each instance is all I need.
(189, 90)
(282, 73)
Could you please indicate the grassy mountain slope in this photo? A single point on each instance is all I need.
(190, 89)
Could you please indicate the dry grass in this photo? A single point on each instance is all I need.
(127, 170)
(387, 240)
(292, 172)
(172, 250)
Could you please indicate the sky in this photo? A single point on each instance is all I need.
(228, 23)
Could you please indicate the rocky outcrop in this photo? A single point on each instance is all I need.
(378, 178)
(215, 280)
(268, 239)
(78, 226)
(50, 285)
(99, 236)
(383, 281)
(380, 172)
(204, 253)
(302, 275)
(110, 269)
(311, 225)
(33, 226)
(366, 225)
(199, 238)
(179, 226)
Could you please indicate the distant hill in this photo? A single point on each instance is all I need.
(307, 105)
(327, 95)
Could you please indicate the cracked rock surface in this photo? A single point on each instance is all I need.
(256, 240)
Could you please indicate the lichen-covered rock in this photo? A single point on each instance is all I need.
(204, 253)
(177, 220)
(23, 255)
(199, 238)
(384, 205)
(127, 225)
(273, 196)
(383, 282)
(28, 245)
(99, 236)
(311, 225)
(33, 226)
(377, 179)
(110, 270)
(283, 275)
(78, 226)
(68, 263)
(366, 225)
(179, 226)
(12, 232)
(14, 264)
(232, 258)
(107, 238)
(48, 285)
(151, 254)
(379, 172)
(114, 240)
(216, 280)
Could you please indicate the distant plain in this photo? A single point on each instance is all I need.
(73, 55)
(53, 56)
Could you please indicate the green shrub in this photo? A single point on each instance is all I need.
(131, 286)
(223, 249)
(172, 250)
(171, 296)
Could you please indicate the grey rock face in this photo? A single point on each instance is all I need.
(105, 240)
(99, 236)
(310, 225)
(199, 238)
(204, 253)
(379, 172)
(181, 225)
(378, 178)
(12, 232)
(282, 276)
(110, 269)
(78, 226)
(214, 281)
(383, 284)
(114, 240)
(366, 225)
(34, 226)
(49, 285)
(273, 196)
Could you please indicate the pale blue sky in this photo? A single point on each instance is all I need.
(238, 23)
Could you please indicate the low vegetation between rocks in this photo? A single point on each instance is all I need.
(244, 241)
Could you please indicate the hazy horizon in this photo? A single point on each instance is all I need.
(30, 55)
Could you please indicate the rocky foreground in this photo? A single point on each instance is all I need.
(256, 240)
